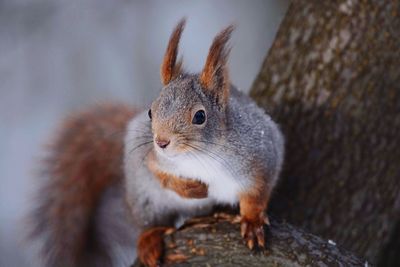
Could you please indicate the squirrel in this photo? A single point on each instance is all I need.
(120, 178)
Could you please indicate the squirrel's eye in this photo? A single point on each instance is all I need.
(149, 113)
(199, 117)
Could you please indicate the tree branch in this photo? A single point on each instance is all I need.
(216, 241)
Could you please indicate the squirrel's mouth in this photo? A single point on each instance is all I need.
(172, 150)
(167, 153)
(165, 148)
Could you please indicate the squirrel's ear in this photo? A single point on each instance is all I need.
(170, 68)
(215, 77)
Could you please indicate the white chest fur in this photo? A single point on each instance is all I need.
(218, 174)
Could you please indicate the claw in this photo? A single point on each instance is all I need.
(266, 220)
(250, 243)
(243, 228)
(253, 231)
(260, 237)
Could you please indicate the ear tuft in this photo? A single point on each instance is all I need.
(170, 68)
(214, 76)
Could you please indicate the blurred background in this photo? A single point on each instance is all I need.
(60, 56)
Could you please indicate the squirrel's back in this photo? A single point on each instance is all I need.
(254, 136)
(84, 161)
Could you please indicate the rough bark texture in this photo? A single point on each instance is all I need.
(217, 242)
(332, 81)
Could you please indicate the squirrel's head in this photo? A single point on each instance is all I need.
(191, 108)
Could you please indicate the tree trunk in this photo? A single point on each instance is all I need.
(332, 81)
(214, 241)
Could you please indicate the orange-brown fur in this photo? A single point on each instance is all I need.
(85, 160)
(214, 76)
(170, 68)
(253, 205)
(151, 246)
(187, 188)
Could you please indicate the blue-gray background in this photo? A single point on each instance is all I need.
(58, 56)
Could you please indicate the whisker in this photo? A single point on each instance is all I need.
(220, 160)
(217, 144)
(148, 137)
(214, 156)
(200, 161)
(140, 145)
(145, 155)
(211, 152)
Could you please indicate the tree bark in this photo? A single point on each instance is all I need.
(211, 241)
(332, 81)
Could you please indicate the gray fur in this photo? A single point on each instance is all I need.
(115, 230)
(243, 136)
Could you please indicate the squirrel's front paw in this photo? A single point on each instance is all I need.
(150, 246)
(195, 189)
(187, 188)
(252, 230)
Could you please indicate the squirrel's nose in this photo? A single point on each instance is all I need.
(162, 143)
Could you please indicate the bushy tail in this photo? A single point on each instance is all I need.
(85, 160)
